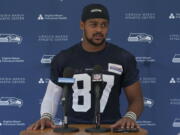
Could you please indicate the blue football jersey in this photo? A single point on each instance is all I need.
(119, 70)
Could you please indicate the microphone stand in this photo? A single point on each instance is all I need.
(65, 128)
(97, 128)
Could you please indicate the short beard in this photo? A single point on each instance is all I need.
(93, 43)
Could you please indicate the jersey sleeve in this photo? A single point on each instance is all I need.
(56, 68)
(51, 99)
(131, 72)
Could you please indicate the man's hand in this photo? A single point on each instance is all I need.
(42, 124)
(125, 122)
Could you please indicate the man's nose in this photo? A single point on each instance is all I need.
(99, 28)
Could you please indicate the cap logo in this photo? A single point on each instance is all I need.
(96, 10)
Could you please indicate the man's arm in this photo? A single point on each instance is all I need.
(135, 98)
(135, 106)
(51, 99)
(48, 107)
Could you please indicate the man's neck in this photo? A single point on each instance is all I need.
(91, 48)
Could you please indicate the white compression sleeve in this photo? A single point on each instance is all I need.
(51, 99)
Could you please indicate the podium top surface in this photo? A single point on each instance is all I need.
(82, 128)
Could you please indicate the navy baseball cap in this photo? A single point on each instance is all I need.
(94, 11)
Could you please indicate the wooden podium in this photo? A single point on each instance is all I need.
(81, 127)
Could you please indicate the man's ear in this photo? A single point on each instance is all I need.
(82, 25)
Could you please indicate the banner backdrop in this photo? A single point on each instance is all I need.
(32, 32)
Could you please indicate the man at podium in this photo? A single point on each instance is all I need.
(119, 71)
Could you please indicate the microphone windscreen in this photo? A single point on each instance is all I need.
(97, 69)
(68, 72)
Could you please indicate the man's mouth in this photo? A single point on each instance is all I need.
(98, 36)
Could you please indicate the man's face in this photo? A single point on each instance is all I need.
(95, 30)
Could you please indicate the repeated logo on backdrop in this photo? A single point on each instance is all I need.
(148, 102)
(139, 16)
(12, 17)
(12, 123)
(11, 60)
(11, 101)
(12, 80)
(144, 59)
(174, 37)
(57, 121)
(176, 122)
(43, 80)
(46, 17)
(53, 38)
(174, 80)
(176, 58)
(46, 59)
(148, 80)
(140, 37)
(174, 16)
(147, 123)
(174, 101)
(10, 38)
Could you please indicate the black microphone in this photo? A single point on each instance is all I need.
(67, 81)
(97, 81)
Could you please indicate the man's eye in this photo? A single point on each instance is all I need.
(103, 25)
(93, 24)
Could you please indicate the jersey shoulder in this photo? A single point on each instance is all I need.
(119, 52)
(69, 50)
(66, 53)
